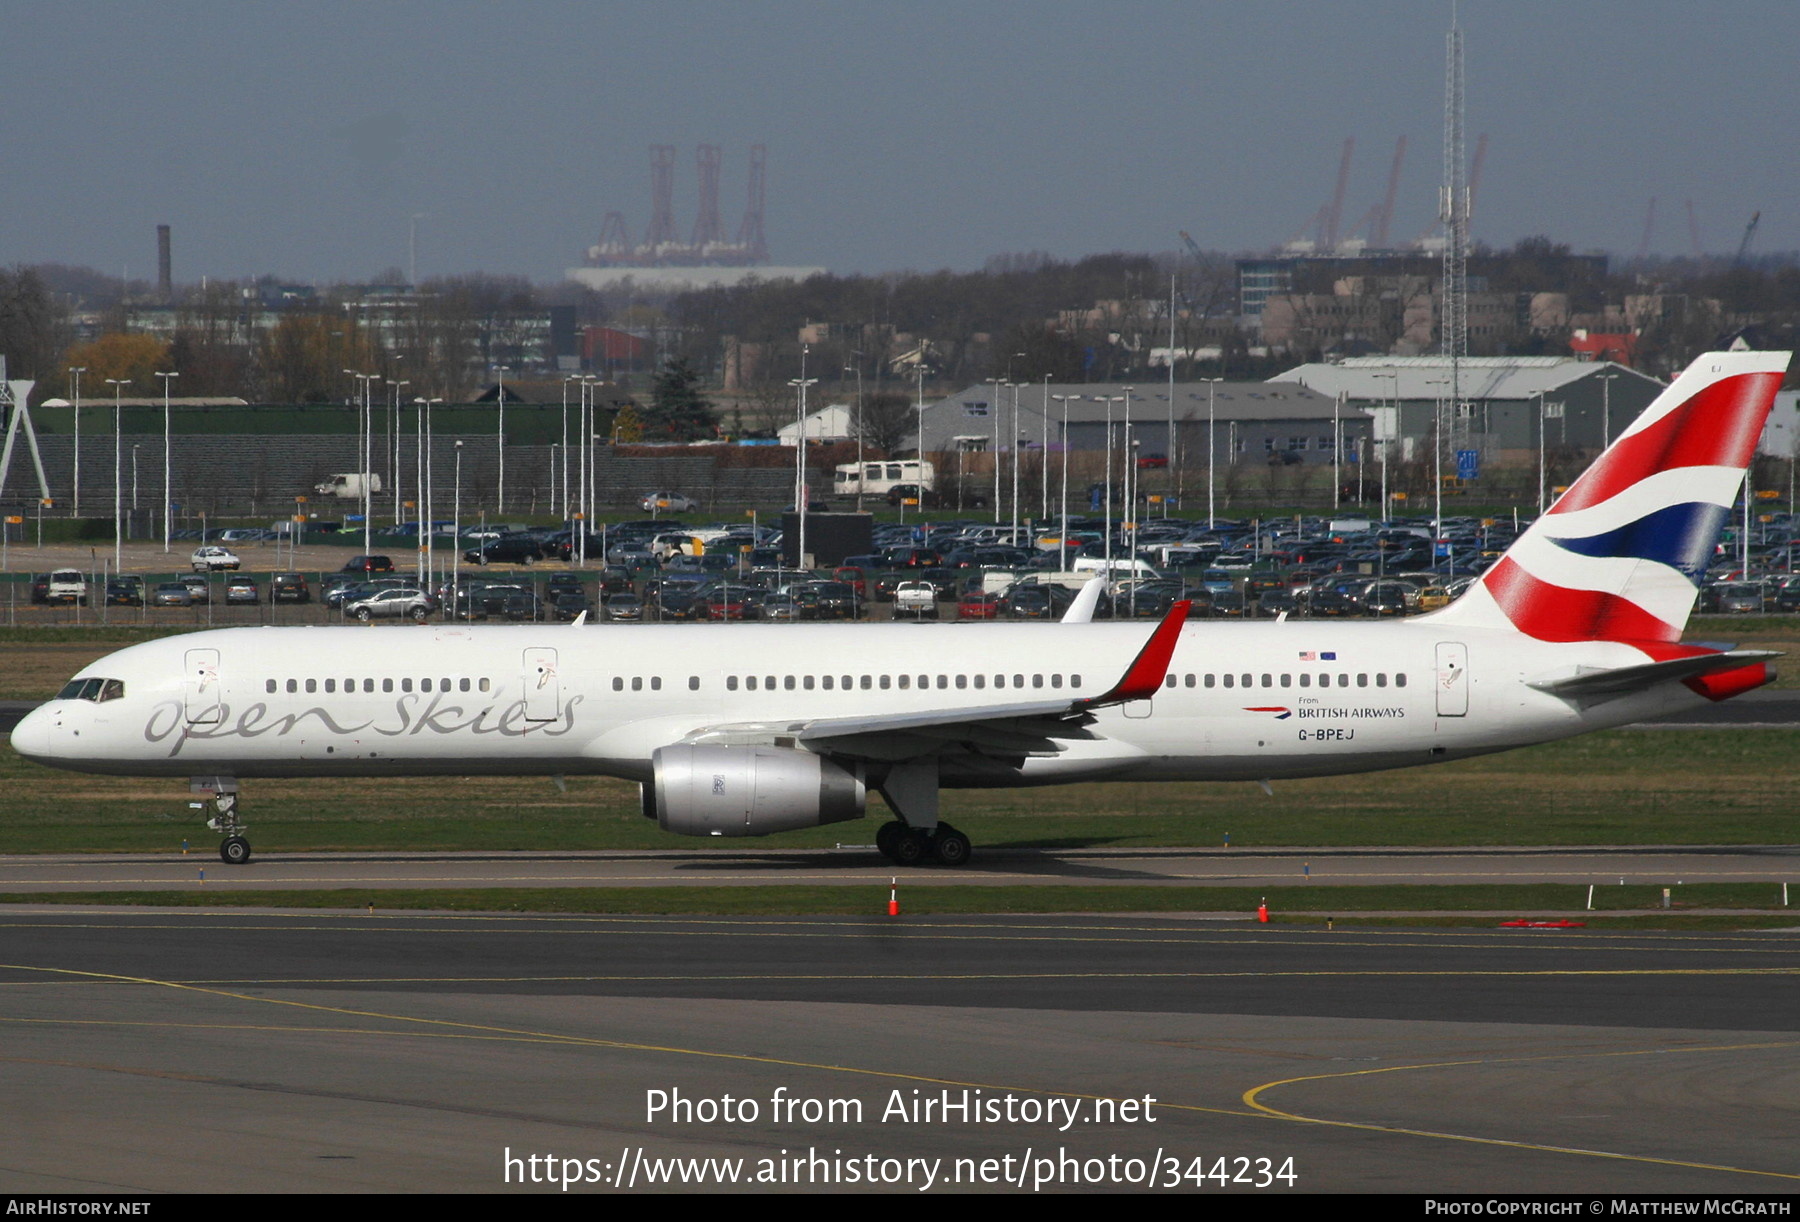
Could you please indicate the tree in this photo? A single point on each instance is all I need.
(33, 328)
(132, 358)
(628, 426)
(887, 422)
(678, 411)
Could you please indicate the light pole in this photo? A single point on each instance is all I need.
(1212, 447)
(456, 530)
(1541, 439)
(1606, 381)
(1109, 400)
(1337, 447)
(1062, 543)
(994, 421)
(919, 370)
(366, 451)
(500, 435)
(1393, 426)
(168, 492)
(800, 383)
(1437, 467)
(118, 461)
(859, 428)
(564, 503)
(423, 479)
(1129, 521)
(134, 477)
(394, 433)
(75, 371)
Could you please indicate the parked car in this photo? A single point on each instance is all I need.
(568, 605)
(624, 607)
(66, 586)
(241, 590)
(289, 588)
(672, 502)
(508, 549)
(172, 594)
(368, 564)
(199, 589)
(408, 602)
(915, 598)
(213, 558)
(125, 591)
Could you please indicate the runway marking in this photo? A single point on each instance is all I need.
(510, 1033)
(1249, 1097)
(1251, 1100)
(204, 984)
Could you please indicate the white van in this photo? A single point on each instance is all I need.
(347, 485)
(1118, 569)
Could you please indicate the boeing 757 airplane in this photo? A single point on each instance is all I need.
(743, 730)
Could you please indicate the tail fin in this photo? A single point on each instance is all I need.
(1620, 555)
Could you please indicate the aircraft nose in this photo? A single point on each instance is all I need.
(35, 734)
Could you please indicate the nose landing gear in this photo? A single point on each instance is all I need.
(221, 795)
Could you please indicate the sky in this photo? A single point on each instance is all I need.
(303, 138)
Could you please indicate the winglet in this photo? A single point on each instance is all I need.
(1145, 674)
(1081, 611)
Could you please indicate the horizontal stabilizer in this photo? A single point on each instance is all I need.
(1628, 680)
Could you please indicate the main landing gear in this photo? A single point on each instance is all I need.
(911, 789)
(221, 796)
(908, 846)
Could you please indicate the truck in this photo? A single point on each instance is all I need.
(348, 485)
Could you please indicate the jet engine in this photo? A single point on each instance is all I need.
(749, 791)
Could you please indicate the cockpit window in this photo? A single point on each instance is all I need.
(97, 690)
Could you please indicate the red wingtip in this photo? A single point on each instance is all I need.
(1145, 674)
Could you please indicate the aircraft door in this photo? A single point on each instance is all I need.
(1452, 679)
(201, 686)
(543, 690)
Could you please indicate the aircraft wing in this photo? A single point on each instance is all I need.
(1599, 685)
(1030, 727)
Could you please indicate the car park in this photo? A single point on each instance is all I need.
(212, 559)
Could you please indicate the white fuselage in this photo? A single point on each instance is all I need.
(1241, 701)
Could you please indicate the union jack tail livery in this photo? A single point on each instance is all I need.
(1621, 554)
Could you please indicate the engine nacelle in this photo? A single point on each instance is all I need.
(749, 791)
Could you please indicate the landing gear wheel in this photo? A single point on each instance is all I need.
(950, 847)
(234, 850)
(887, 835)
(910, 848)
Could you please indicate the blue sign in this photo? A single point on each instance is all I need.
(1468, 464)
